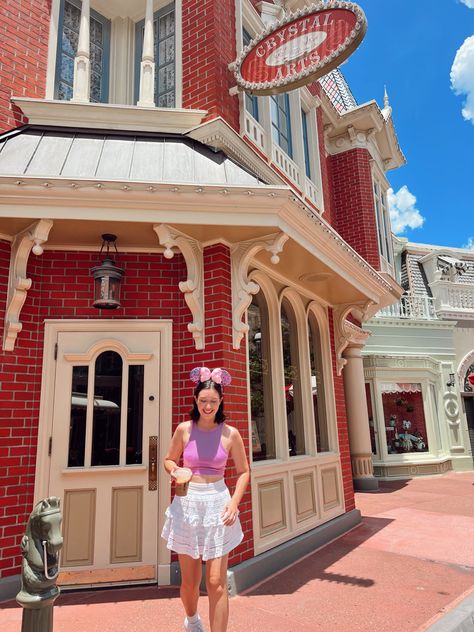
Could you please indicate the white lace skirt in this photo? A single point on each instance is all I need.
(194, 525)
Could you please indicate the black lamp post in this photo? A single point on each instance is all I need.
(107, 277)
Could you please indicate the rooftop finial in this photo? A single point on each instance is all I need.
(387, 108)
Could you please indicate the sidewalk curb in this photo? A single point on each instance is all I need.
(461, 619)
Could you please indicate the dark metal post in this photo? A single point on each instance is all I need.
(40, 547)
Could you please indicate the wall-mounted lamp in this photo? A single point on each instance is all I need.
(107, 277)
(451, 382)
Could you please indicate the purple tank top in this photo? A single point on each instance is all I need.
(204, 453)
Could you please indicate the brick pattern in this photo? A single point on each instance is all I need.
(24, 30)
(353, 202)
(342, 429)
(62, 287)
(209, 45)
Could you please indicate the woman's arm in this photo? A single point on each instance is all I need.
(175, 450)
(239, 457)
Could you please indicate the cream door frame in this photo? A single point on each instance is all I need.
(48, 378)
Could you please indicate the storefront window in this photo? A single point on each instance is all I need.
(404, 417)
(469, 380)
(261, 399)
(317, 386)
(368, 397)
(294, 409)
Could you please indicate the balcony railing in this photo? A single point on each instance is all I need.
(410, 307)
(254, 131)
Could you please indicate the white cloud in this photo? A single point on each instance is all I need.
(468, 3)
(470, 241)
(403, 212)
(462, 75)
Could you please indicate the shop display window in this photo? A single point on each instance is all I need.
(368, 396)
(317, 386)
(404, 418)
(261, 399)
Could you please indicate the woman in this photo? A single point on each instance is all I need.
(204, 524)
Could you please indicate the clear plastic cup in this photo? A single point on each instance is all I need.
(182, 477)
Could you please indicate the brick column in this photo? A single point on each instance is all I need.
(353, 207)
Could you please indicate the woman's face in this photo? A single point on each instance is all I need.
(208, 402)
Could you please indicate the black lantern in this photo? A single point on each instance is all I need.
(107, 278)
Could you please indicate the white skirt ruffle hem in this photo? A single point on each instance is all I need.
(194, 526)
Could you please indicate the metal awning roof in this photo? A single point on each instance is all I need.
(52, 153)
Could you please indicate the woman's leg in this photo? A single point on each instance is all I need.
(216, 584)
(190, 580)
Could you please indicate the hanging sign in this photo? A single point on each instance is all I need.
(300, 48)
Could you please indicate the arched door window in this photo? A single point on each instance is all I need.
(317, 386)
(261, 397)
(106, 420)
(293, 400)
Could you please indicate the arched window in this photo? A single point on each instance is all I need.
(261, 397)
(293, 399)
(107, 409)
(317, 385)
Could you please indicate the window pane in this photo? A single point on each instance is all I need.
(107, 409)
(304, 121)
(135, 414)
(368, 397)
(404, 416)
(261, 399)
(317, 387)
(294, 411)
(77, 426)
(67, 49)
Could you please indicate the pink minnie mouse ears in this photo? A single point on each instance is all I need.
(203, 374)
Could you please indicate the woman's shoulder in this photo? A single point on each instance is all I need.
(230, 431)
(185, 426)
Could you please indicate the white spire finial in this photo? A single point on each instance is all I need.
(387, 108)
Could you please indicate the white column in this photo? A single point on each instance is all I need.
(82, 64)
(147, 68)
(358, 420)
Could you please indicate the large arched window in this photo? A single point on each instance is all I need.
(293, 397)
(261, 396)
(317, 385)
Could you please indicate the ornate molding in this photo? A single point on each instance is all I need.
(346, 333)
(242, 288)
(30, 239)
(193, 287)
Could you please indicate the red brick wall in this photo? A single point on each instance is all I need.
(353, 209)
(209, 45)
(62, 287)
(343, 433)
(24, 32)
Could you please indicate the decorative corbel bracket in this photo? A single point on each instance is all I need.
(242, 288)
(193, 287)
(346, 333)
(30, 239)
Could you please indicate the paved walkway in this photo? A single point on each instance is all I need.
(408, 564)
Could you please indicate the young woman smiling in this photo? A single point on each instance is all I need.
(204, 523)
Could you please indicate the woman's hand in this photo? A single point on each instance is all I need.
(230, 514)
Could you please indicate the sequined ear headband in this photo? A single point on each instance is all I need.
(203, 374)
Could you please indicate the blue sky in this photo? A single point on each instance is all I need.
(419, 49)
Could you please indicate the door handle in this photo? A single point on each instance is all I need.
(152, 463)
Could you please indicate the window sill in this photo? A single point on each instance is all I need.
(106, 116)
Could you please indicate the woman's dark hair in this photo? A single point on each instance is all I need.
(194, 413)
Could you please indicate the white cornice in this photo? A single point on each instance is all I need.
(362, 126)
(217, 134)
(109, 116)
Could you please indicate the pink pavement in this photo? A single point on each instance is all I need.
(409, 563)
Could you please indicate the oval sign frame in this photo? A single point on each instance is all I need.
(310, 70)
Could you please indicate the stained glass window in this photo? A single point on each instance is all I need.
(69, 23)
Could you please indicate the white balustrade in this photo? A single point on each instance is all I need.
(410, 307)
(254, 131)
(285, 164)
(312, 192)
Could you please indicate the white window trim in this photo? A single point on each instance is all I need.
(122, 38)
(384, 227)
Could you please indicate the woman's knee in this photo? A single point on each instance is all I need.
(216, 584)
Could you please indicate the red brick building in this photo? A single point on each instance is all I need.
(252, 235)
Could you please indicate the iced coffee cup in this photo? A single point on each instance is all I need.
(182, 476)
